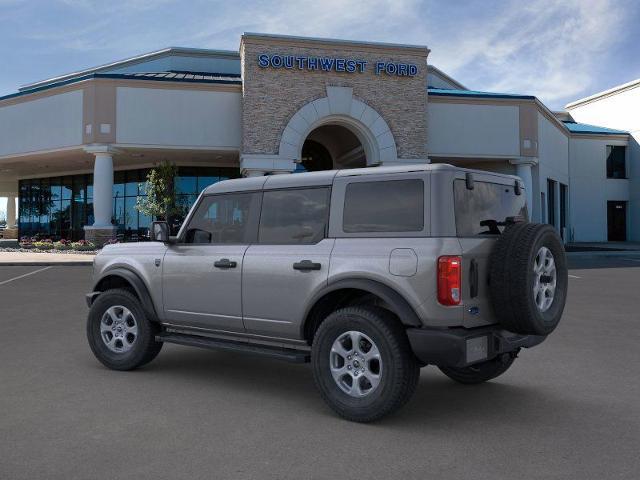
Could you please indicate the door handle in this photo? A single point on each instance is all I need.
(306, 265)
(225, 263)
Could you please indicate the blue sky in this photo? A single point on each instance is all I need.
(557, 50)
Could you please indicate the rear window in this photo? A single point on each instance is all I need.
(388, 206)
(483, 210)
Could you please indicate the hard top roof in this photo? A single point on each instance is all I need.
(324, 178)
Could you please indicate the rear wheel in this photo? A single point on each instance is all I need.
(480, 372)
(119, 333)
(363, 364)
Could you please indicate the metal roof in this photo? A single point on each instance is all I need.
(134, 60)
(585, 128)
(474, 93)
(187, 77)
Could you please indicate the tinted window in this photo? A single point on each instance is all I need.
(481, 211)
(390, 206)
(223, 219)
(616, 167)
(294, 216)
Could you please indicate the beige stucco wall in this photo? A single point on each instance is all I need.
(272, 96)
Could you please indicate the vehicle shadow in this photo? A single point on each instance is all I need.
(438, 402)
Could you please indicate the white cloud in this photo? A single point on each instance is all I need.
(548, 48)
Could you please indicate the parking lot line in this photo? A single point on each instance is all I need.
(25, 275)
(574, 276)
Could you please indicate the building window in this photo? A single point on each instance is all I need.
(551, 202)
(616, 163)
(59, 207)
(563, 209)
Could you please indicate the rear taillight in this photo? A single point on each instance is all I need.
(449, 281)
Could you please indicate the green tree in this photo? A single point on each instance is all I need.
(160, 201)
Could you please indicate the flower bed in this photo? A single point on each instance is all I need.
(46, 245)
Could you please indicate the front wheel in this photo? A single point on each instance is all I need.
(480, 372)
(119, 333)
(363, 364)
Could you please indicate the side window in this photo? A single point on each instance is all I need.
(296, 216)
(384, 206)
(483, 210)
(225, 218)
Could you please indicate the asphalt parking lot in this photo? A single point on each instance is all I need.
(568, 409)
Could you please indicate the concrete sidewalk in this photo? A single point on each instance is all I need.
(44, 259)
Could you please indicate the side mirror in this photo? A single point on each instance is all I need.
(160, 232)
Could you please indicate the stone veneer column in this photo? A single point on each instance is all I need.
(102, 228)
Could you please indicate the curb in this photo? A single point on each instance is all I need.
(607, 253)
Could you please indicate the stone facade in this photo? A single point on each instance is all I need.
(272, 96)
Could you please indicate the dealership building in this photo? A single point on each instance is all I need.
(75, 149)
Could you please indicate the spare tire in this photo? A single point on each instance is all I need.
(528, 279)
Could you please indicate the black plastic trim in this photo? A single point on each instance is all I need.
(136, 282)
(398, 304)
(447, 347)
(279, 353)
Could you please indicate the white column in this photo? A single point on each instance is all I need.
(103, 189)
(11, 212)
(523, 170)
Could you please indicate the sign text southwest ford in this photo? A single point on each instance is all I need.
(332, 64)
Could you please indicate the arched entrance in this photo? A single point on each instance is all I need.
(336, 131)
(332, 146)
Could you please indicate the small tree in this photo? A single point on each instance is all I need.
(160, 201)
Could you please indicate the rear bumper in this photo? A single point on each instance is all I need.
(460, 347)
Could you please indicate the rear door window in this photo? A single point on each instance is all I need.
(484, 210)
(295, 216)
(384, 206)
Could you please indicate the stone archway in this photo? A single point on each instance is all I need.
(340, 108)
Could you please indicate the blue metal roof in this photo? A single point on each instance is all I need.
(188, 77)
(585, 128)
(444, 92)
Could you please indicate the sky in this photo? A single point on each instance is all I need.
(557, 50)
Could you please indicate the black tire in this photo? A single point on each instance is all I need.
(144, 348)
(399, 372)
(512, 279)
(480, 372)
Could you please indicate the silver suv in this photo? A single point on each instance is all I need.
(369, 274)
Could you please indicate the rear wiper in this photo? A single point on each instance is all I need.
(494, 224)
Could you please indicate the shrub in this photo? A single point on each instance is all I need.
(62, 245)
(83, 245)
(43, 244)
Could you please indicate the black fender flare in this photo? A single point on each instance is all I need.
(133, 279)
(398, 304)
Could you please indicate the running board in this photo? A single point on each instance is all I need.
(286, 354)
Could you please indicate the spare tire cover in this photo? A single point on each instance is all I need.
(528, 278)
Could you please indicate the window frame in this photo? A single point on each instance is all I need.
(625, 164)
(325, 233)
(252, 222)
(338, 196)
